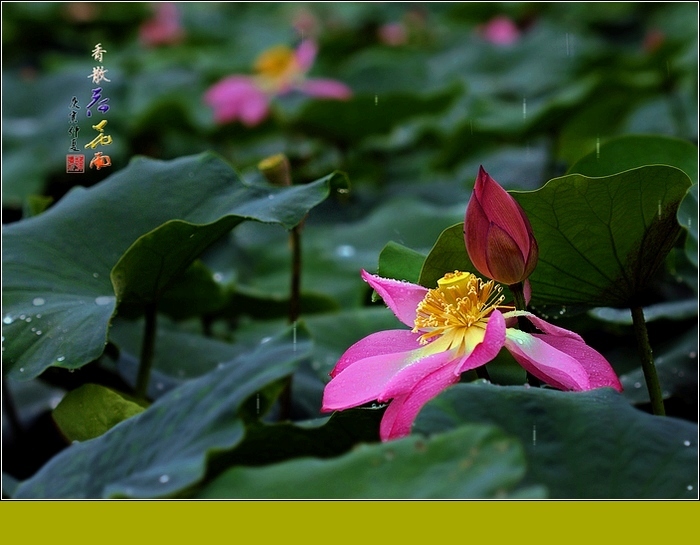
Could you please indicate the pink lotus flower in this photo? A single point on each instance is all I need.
(456, 327)
(498, 234)
(393, 34)
(279, 71)
(164, 28)
(500, 31)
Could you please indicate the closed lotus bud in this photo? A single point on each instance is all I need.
(276, 169)
(498, 234)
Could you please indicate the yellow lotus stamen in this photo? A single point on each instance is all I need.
(457, 310)
(276, 62)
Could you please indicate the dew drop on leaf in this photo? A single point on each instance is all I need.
(38, 301)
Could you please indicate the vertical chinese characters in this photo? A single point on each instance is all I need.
(75, 162)
(99, 74)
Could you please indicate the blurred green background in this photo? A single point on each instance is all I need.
(433, 97)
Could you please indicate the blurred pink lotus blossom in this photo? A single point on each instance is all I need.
(279, 70)
(164, 28)
(653, 40)
(500, 31)
(393, 34)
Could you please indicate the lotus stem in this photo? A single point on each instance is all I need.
(644, 348)
(147, 349)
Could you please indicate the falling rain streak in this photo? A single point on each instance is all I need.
(376, 100)
(524, 108)
(569, 45)
(294, 336)
(597, 148)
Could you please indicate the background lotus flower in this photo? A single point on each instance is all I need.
(497, 233)
(500, 31)
(164, 28)
(456, 327)
(393, 34)
(279, 70)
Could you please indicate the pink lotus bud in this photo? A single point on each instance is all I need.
(498, 234)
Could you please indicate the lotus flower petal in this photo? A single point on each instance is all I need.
(402, 411)
(325, 88)
(376, 344)
(401, 297)
(544, 361)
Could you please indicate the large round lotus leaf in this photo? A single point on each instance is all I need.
(600, 239)
(471, 462)
(143, 226)
(579, 445)
(165, 449)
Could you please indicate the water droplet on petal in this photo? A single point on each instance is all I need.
(38, 332)
(265, 340)
(520, 341)
(95, 275)
(21, 369)
(690, 487)
(61, 358)
(22, 316)
(218, 277)
(38, 301)
(104, 300)
(270, 197)
(686, 443)
(38, 316)
(29, 319)
(164, 479)
(7, 319)
(637, 384)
